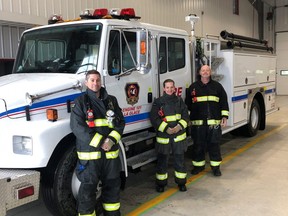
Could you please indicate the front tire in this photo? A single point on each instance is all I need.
(59, 185)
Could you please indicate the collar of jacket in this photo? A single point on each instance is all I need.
(172, 97)
(204, 84)
(92, 94)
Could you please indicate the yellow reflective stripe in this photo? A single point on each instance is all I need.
(162, 126)
(183, 123)
(161, 177)
(115, 135)
(162, 140)
(180, 175)
(180, 137)
(198, 163)
(96, 140)
(213, 122)
(100, 123)
(89, 155)
(207, 98)
(111, 206)
(172, 118)
(215, 163)
(225, 113)
(93, 214)
(197, 122)
(209, 122)
(112, 154)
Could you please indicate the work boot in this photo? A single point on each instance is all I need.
(197, 169)
(160, 189)
(182, 188)
(216, 171)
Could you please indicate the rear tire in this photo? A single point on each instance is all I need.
(253, 125)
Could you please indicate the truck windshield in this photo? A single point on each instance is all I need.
(59, 49)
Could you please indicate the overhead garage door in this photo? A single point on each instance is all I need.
(282, 63)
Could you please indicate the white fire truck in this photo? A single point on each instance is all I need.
(134, 59)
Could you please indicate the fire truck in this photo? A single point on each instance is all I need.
(134, 58)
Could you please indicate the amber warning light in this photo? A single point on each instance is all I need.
(143, 47)
(52, 114)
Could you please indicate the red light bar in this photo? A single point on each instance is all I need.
(25, 192)
(100, 12)
(130, 12)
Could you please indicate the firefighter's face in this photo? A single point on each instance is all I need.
(169, 88)
(205, 71)
(94, 82)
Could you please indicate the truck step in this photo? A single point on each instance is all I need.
(138, 137)
(142, 159)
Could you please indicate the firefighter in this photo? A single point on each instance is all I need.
(98, 123)
(208, 106)
(169, 116)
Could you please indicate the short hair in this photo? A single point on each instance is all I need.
(168, 80)
(92, 72)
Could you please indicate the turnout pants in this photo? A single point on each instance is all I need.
(179, 166)
(206, 139)
(108, 172)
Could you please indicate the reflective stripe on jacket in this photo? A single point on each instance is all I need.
(207, 103)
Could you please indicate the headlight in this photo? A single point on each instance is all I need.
(22, 145)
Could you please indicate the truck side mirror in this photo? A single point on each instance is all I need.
(143, 43)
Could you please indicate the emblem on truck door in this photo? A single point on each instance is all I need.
(132, 93)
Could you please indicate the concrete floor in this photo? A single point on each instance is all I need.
(254, 180)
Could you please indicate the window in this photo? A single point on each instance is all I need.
(176, 53)
(236, 7)
(126, 48)
(163, 55)
(114, 58)
(284, 72)
(61, 49)
(174, 57)
(129, 50)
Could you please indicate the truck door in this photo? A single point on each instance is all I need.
(174, 62)
(132, 88)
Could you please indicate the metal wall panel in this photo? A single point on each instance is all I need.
(216, 15)
(9, 38)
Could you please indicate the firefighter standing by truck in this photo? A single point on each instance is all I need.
(169, 116)
(98, 123)
(208, 105)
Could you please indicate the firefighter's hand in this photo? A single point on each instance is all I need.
(177, 128)
(170, 131)
(223, 122)
(107, 145)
